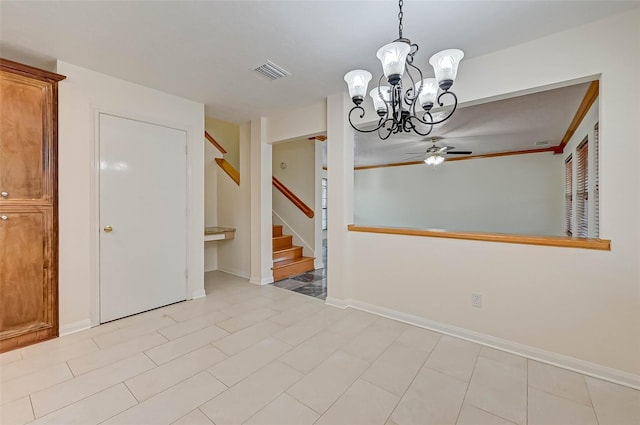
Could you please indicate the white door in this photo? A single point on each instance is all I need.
(143, 206)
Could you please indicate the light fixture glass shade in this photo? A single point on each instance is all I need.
(427, 96)
(445, 65)
(357, 80)
(434, 159)
(379, 102)
(393, 57)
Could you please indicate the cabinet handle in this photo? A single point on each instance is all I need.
(4, 217)
(4, 194)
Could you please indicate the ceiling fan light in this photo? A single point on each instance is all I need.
(427, 96)
(445, 65)
(357, 81)
(434, 160)
(393, 57)
(379, 102)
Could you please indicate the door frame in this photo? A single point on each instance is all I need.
(94, 286)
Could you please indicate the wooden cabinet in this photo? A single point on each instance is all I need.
(28, 205)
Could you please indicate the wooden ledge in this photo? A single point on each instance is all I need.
(559, 241)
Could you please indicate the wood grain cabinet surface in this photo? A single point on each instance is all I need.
(28, 205)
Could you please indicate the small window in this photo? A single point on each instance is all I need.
(324, 204)
(568, 194)
(582, 191)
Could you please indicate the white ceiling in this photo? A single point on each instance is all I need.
(507, 125)
(203, 50)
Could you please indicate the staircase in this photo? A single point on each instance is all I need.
(287, 258)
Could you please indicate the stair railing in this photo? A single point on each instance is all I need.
(292, 197)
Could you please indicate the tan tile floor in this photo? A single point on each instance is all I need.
(268, 356)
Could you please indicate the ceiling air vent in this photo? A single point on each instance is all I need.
(543, 143)
(271, 71)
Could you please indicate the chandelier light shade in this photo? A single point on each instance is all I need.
(406, 110)
(428, 93)
(357, 80)
(445, 65)
(380, 102)
(393, 57)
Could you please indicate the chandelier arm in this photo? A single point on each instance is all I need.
(417, 93)
(455, 104)
(380, 123)
(415, 129)
(389, 132)
(396, 100)
(409, 96)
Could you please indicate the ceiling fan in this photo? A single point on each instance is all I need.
(435, 155)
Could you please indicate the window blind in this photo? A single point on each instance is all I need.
(582, 190)
(568, 192)
(596, 180)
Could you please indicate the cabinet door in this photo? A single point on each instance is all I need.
(25, 135)
(27, 306)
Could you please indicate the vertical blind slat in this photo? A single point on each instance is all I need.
(582, 190)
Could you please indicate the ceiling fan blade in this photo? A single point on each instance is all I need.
(459, 152)
(415, 153)
(416, 156)
(447, 148)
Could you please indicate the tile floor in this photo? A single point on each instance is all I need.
(247, 354)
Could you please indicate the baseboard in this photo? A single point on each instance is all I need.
(566, 362)
(198, 294)
(335, 302)
(236, 272)
(74, 327)
(261, 281)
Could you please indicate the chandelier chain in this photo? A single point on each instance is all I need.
(400, 16)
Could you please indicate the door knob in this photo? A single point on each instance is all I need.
(108, 229)
(4, 194)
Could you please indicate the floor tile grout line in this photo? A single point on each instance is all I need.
(360, 375)
(593, 406)
(563, 397)
(473, 371)
(33, 411)
(422, 366)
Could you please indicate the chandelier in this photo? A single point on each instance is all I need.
(409, 110)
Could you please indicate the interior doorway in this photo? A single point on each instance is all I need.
(300, 214)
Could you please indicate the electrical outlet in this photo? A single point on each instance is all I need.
(476, 300)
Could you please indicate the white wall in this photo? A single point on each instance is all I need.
(234, 210)
(301, 122)
(579, 307)
(82, 95)
(584, 130)
(299, 176)
(510, 194)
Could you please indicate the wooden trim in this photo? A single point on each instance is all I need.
(318, 138)
(557, 241)
(292, 197)
(30, 71)
(462, 158)
(590, 96)
(228, 168)
(214, 143)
